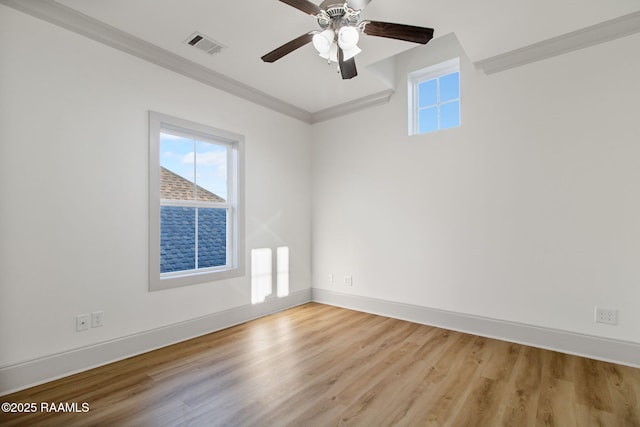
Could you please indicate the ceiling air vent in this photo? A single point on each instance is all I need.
(204, 43)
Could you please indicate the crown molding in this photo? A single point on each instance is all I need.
(72, 20)
(575, 40)
(352, 106)
(65, 17)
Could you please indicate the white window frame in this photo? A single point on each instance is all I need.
(234, 203)
(419, 76)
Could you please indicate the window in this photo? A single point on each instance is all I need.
(195, 197)
(434, 98)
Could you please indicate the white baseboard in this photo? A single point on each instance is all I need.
(34, 372)
(593, 347)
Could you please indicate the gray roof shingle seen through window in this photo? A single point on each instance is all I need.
(175, 187)
(178, 227)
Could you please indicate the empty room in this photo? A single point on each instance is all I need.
(315, 213)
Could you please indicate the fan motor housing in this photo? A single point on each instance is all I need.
(336, 15)
(336, 10)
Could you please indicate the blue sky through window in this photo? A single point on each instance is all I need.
(450, 115)
(178, 154)
(428, 93)
(439, 103)
(428, 119)
(449, 87)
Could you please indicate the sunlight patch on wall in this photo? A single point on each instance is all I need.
(282, 269)
(261, 282)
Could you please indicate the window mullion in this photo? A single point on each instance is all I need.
(194, 203)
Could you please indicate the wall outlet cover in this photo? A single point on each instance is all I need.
(82, 322)
(97, 319)
(606, 315)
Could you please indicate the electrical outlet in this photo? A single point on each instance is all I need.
(348, 280)
(82, 322)
(97, 319)
(605, 315)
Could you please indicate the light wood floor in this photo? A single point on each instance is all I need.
(318, 365)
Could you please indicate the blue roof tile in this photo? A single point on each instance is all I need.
(178, 234)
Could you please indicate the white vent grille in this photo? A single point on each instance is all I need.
(204, 43)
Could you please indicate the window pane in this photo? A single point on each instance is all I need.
(211, 171)
(427, 93)
(177, 238)
(428, 120)
(449, 87)
(450, 115)
(212, 237)
(176, 167)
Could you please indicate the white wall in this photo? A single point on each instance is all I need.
(527, 213)
(74, 189)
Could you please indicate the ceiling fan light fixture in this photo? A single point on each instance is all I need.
(348, 37)
(340, 28)
(350, 53)
(331, 54)
(323, 41)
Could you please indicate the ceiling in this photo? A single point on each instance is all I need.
(251, 28)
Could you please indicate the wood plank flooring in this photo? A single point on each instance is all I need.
(317, 365)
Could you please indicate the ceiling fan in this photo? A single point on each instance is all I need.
(340, 28)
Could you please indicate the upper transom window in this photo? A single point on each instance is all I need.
(434, 97)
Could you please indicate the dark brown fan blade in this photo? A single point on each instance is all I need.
(408, 33)
(358, 4)
(348, 67)
(304, 5)
(287, 48)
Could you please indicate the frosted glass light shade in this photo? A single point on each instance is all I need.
(323, 41)
(332, 54)
(350, 53)
(348, 37)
